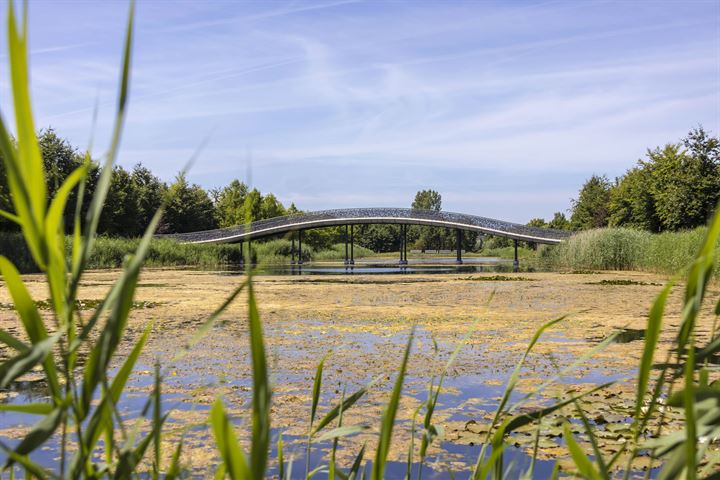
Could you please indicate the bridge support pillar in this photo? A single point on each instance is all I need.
(458, 245)
(292, 248)
(516, 263)
(403, 245)
(352, 244)
(251, 254)
(300, 237)
(347, 258)
(242, 255)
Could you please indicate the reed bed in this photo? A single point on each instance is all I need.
(625, 249)
(110, 252)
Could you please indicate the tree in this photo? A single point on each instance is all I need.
(704, 151)
(132, 200)
(427, 200)
(60, 159)
(426, 237)
(684, 187)
(378, 238)
(253, 202)
(189, 208)
(591, 209)
(120, 213)
(675, 187)
(293, 210)
(150, 191)
(230, 204)
(271, 207)
(632, 203)
(559, 222)
(537, 222)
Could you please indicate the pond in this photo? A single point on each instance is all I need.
(365, 321)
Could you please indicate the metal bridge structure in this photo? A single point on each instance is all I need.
(296, 224)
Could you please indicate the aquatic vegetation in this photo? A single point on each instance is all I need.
(81, 304)
(622, 282)
(497, 278)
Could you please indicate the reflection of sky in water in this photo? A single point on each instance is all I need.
(469, 395)
(391, 265)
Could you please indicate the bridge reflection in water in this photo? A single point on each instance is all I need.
(375, 266)
(349, 217)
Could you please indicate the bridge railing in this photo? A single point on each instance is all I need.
(344, 216)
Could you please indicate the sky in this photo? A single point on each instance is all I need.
(505, 108)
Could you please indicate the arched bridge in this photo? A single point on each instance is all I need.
(357, 216)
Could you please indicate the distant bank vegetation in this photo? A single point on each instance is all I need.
(624, 249)
(135, 195)
(651, 218)
(644, 219)
(111, 252)
(676, 187)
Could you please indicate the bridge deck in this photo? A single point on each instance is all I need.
(356, 216)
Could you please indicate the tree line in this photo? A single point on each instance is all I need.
(675, 187)
(135, 194)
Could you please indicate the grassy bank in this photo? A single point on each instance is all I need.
(603, 249)
(624, 249)
(110, 253)
(507, 252)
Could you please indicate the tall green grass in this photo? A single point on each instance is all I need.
(110, 252)
(82, 410)
(625, 249)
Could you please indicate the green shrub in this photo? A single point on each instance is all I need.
(337, 252)
(13, 246)
(507, 252)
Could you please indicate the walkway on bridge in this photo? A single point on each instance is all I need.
(349, 217)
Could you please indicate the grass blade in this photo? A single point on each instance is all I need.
(342, 406)
(173, 471)
(39, 434)
(261, 391)
(233, 458)
(388, 421)
(340, 432)
(25, 361)
(582, 462)
(357, 463)
(30, 161)
(317, 384)
(12, 342)
(280, 459)
(103, 183)
(28, 408)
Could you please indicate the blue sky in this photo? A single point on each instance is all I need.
(503, 107)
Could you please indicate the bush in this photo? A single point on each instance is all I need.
(13, 246)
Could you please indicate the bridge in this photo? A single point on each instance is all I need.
(348, 217)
